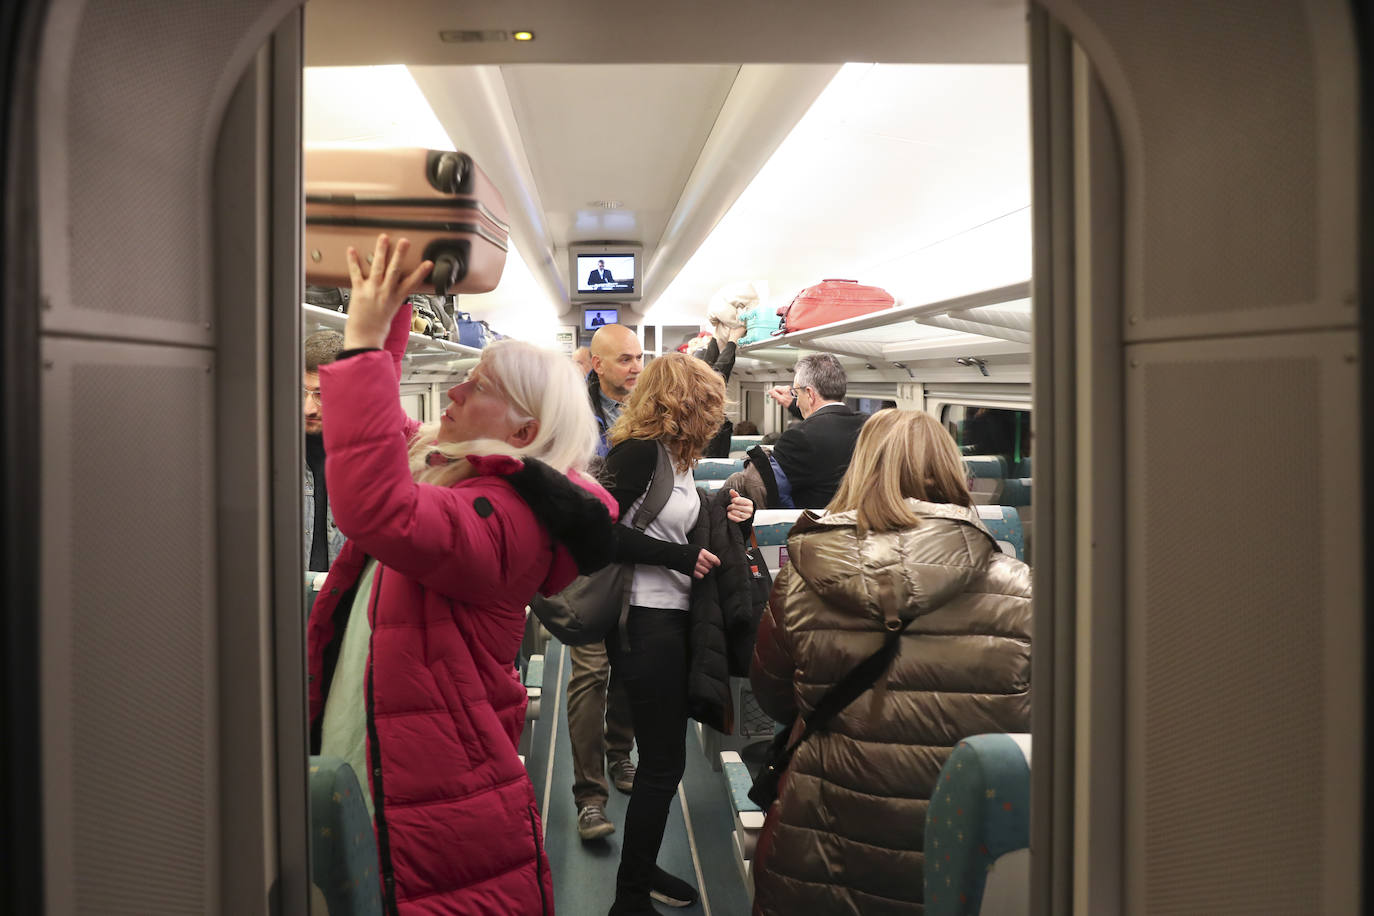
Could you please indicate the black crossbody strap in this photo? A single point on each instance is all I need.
(863, 676)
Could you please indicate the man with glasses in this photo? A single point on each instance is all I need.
(323, 539)
(815, 454)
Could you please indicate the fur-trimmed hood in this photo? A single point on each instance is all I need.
(576, 510)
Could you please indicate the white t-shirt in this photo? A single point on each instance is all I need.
(659, 586)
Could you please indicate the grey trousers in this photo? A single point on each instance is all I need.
(598, 726)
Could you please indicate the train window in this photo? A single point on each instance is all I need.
(991, 431)
(869, 405)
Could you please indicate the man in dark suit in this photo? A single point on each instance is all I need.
(598, 321)
(815, 454)
(600, 275)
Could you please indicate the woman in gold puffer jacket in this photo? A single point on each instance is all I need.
(900, 540)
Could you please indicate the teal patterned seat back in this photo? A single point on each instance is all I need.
(1004, 524)
(986, 466)
(771, 527)
(1016, 491)
(343, 848)
(717, 468)
(743, 444)
(980, 812)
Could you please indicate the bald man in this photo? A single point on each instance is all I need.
(618, 359)
(598, 710)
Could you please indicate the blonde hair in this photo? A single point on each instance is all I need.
(679, 400)
(539, 385)
(900, 454)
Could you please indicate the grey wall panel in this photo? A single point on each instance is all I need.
(128, 660)
(124, 178)
(1244, 614)
(1240, 156)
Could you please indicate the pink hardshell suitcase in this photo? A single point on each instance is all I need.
(441, 201)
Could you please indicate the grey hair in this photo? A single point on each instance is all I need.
(822, 372)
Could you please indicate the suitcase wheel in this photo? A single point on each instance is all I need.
(448, 268)
(447, 172)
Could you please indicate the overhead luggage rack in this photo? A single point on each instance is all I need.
(982, 323)
(419, 344)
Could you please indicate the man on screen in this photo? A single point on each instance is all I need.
(597, 320)
(600, 275)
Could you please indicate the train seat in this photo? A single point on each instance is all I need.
(987, 474)
(717, 468)
(748, 816)
(739, 445)
(1004, 523)
(771, 527)
(534, 686)
(710, 473)
(343, 849)
(977, 843)
(1016, 491)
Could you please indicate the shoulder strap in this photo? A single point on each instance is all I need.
(660, 488)
(863, 676)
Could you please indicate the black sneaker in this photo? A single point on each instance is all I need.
(592, 823)
(623, 775)
(672, 890)
(630, 909)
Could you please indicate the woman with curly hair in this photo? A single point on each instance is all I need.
(688, 602)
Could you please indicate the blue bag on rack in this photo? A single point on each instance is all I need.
(760, 323)
(470, 333)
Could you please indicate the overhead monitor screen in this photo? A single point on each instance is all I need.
(597, 318)
(606, 273)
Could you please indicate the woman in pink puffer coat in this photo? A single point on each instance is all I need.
(451, 530)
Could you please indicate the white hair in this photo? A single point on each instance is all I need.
(538, 384)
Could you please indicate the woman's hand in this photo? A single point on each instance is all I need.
(706, 561)
(741, 507)
(378, 291)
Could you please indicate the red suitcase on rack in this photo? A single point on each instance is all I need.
(830, 301)
(441, 201)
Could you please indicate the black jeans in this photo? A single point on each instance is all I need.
(653, 669)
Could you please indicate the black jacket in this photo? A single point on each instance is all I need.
(720, 641)
(722, 359)
(815, 455)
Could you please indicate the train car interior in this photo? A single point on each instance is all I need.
(1128, 254)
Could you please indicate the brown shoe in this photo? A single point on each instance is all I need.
(623, 775)
(592, 823)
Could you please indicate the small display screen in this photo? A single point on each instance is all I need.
(605, 273)
(596, 318)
